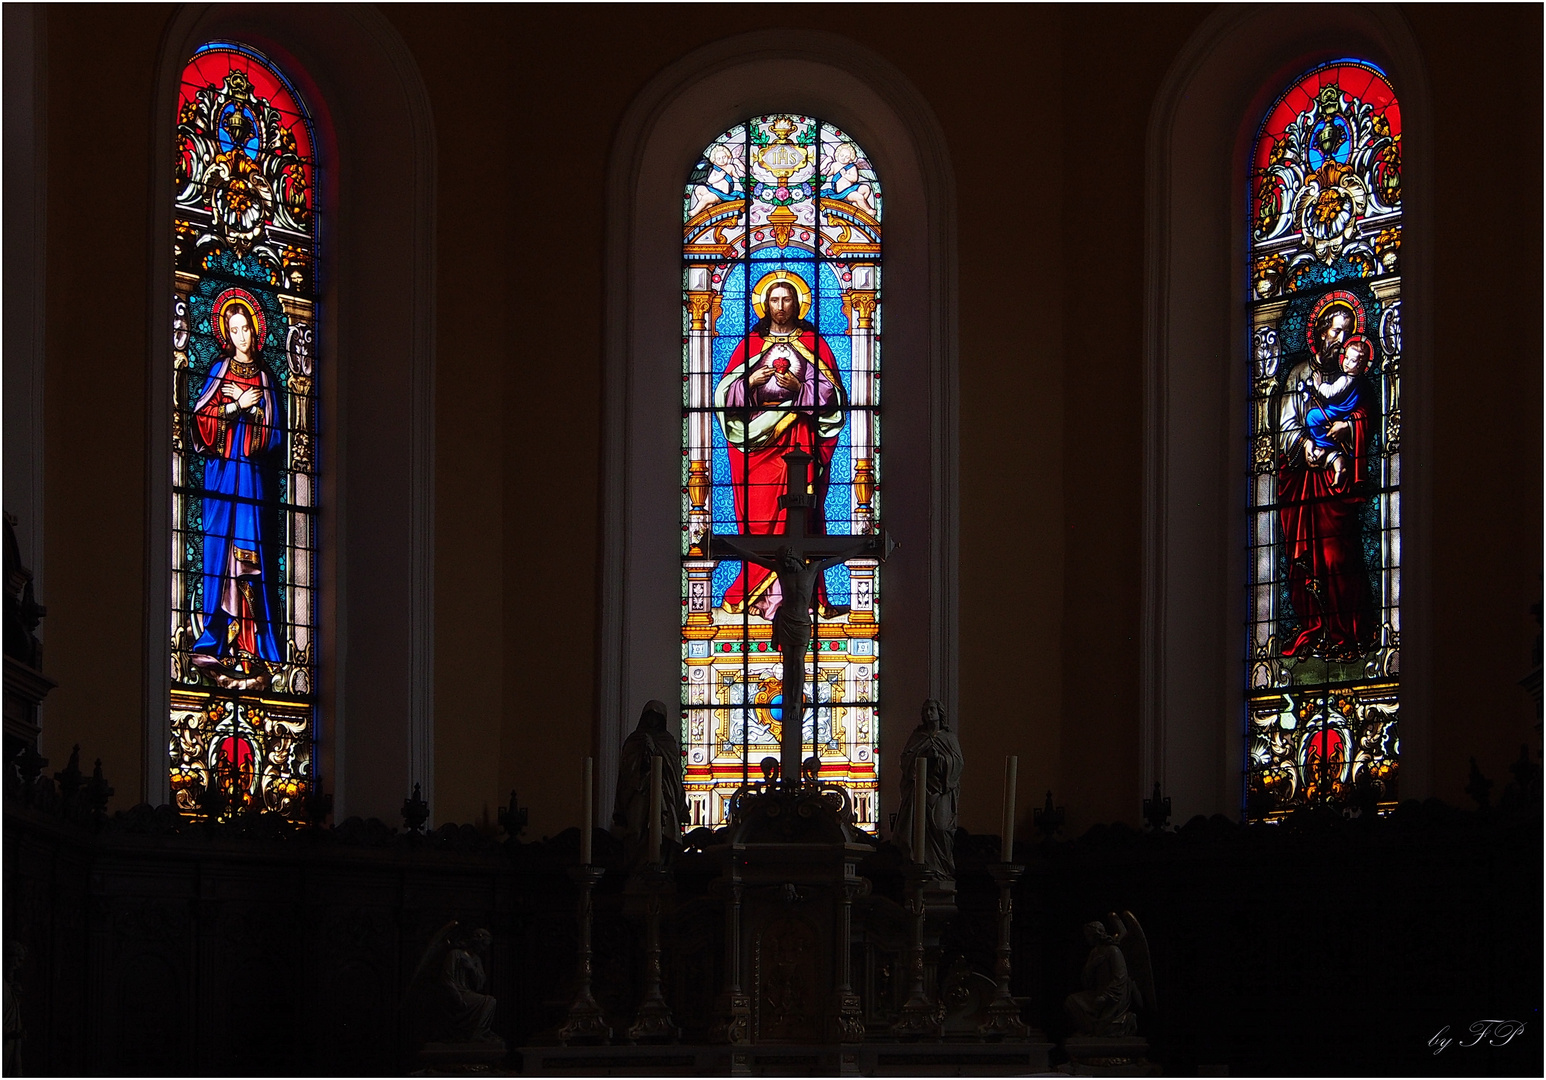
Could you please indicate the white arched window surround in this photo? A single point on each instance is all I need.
(662, 135)
(1200, 138)
(375, 323)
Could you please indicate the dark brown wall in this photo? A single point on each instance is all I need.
(1485, 70)
(101, 83)
(1045, 112)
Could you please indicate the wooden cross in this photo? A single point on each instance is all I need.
(799, 559)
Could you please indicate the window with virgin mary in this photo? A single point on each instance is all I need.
(244, 479)
(781, 352)
(1324, 636)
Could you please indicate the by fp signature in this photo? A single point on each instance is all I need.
(1496, 1032)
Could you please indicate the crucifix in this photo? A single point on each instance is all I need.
(799, 559)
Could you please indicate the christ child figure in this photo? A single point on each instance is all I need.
(1328, 421)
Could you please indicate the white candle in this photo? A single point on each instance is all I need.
(655, 762)
(590, 822)
(920, 805)
(1011, 769)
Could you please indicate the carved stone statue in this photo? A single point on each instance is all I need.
(1117, 979)
(631, 816)
(449, 988)
(463, 978)
(932, 739)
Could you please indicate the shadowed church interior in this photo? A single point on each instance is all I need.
(430, 430)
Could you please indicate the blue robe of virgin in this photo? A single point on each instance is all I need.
(236, 557)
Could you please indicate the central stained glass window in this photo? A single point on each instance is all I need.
(781, 342)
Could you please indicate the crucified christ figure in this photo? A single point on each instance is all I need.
(792, 623)
(799, 559)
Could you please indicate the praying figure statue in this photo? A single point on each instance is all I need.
(1117, 979)
(463, 978)
(448, 992)
(932, 740)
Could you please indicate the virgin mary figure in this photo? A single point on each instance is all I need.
(237, 426)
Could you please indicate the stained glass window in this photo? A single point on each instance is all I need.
(244, 478)
(1324, 632)
(781, 338)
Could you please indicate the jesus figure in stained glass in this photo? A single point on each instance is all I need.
(780, 392)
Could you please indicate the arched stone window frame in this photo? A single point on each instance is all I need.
(1200, 136)
(375, 326)
(663, 133)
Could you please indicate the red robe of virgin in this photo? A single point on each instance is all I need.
(1327, 579)
(764, 423)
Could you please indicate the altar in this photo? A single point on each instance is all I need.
(812, 973)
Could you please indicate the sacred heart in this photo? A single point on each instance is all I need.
(781, 364)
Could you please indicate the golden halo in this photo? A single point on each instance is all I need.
(238, 296)
(1337, 298)
(787, 277)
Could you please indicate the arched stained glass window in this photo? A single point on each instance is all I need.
(244, 479)
(1324, 632)
(780, 351)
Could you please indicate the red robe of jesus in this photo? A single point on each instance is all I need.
(764, 423)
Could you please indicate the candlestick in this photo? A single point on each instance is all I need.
(589, 815)
(1011, 771)
(585, 1023)
(920, 805)
(1003, 1012)
(654, 1023)
(920, 1016)
(655, 763)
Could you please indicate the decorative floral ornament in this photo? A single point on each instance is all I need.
(1327, 211)
(239, 164)
(1326, 182)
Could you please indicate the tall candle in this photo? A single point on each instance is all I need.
(655, 763)
(920, 805)
(1011, 770)
(590, 820)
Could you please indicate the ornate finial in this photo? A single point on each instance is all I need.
(98, 791)
(69, 778)
(1260, 804)
(513, 818)
(212, 801)
(30, 765)
(415, 811)
(1363, 797)
(1049, 819)
(1479, 787)
(1156, 811)
(319, 804)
